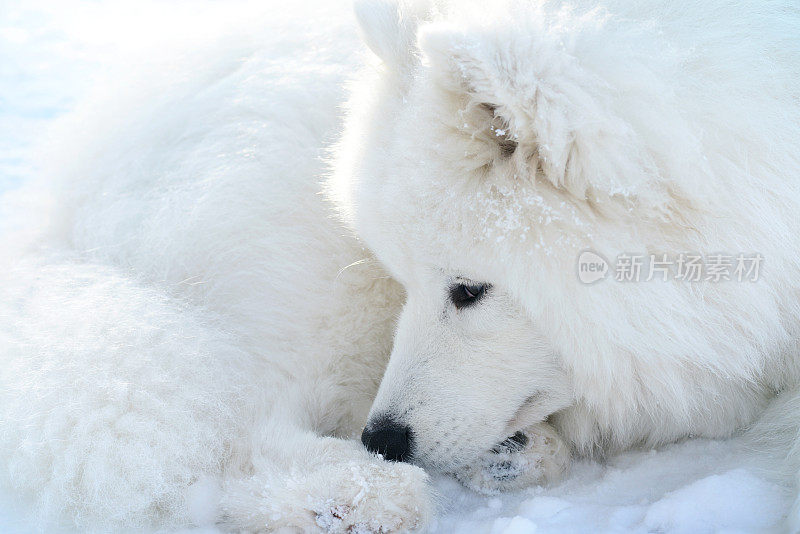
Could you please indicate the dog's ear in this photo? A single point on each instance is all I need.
(563, 116)
(389, 28)
(468, 63)
(473, 66)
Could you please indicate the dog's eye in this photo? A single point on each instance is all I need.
(466, 294)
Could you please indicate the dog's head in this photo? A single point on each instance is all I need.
(436, 177)
(464, 167)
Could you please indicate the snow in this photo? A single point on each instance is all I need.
(50, 53)
(693, 487)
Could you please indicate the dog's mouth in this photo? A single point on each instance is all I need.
(529, 412)
(499, 455)
(534, 409)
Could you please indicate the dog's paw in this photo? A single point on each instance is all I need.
(373, 497)
(334, 486)
(534, 456)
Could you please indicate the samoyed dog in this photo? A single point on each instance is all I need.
(222, 280)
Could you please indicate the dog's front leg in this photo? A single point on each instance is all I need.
(307, 483)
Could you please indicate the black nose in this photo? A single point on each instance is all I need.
(388, 438)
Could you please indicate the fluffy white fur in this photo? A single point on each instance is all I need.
(192, 313)
(640, 127)
(193, 319)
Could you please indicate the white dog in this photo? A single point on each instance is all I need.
(194, 336)
(521, 134)
(193, 319)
